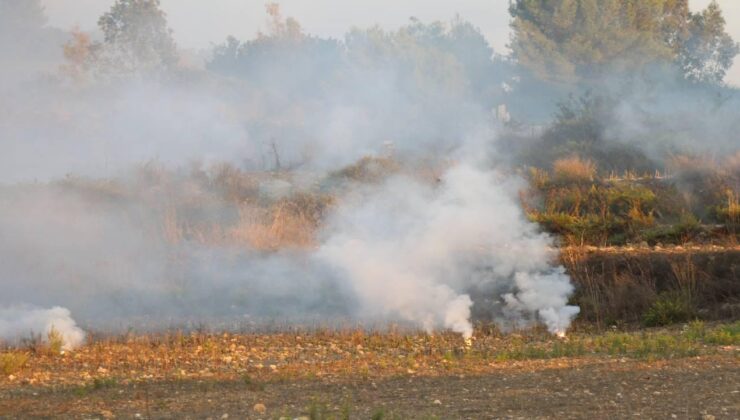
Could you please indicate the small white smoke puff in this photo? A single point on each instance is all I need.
(17, 323)
(545, 295)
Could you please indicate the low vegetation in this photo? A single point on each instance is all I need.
(583, 208)
(256, 359)
(12, 362)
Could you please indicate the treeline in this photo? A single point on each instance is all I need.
(624, 83)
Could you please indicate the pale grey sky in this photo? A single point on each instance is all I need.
(198, 23)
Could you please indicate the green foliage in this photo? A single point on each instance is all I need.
(136, 38)
(275, 56)
(379, 414)
(569, 41)
(693, 340)
(726, 335)
(97, 384)
(566, 40)
(600, 212)
(317, 411)
(580, 128)
(252, 384)
(708, 51)
(669, 308)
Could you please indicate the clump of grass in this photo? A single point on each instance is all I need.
(726, 335)
(252, 384)
(669, 308)
(289, 223)
(379, 414)
(642, 345)
(55, 341)
(12, 362)
(369, 169)
(539, 178)
(96, 385)
(317, 411)
(50, 345)
(574, 169)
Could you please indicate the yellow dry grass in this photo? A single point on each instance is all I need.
(574, 169)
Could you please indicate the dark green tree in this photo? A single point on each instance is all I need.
(136, 37)
(576, 41)
(708, 51)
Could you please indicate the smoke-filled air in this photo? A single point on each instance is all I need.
(395, 178)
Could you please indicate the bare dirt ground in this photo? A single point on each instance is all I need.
(600, 388)
(689, 371)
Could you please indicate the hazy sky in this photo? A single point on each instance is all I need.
(198, 23)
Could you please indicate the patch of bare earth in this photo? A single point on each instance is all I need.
(603, 388)
(690, 373)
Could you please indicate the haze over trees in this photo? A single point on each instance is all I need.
(582, 41)
(27, 44)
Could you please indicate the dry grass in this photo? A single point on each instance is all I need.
(574, 169)
(623, 285)
(368, 169)
(347, 354)
(12, 362)
(289, 223)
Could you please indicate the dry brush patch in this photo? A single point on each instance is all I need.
(623, 285)
(333, 355)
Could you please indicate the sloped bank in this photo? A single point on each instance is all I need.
(654, 286)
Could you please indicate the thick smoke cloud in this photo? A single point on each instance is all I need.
(468, 232)
(84, 227)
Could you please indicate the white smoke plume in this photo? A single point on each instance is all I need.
(80, 229)
(412, 251)
(17, 322)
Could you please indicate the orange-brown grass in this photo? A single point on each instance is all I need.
(369, 169)
(289, 223)
(348, 354)
(574, 169)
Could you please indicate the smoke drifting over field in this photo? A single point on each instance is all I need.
(134, 188)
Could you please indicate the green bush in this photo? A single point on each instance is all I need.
(669, 308)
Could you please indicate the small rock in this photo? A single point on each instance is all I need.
(259, 408)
